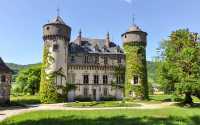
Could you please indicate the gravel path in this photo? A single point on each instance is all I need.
(60, 106)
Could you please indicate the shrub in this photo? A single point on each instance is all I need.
(83, 98)
(108, 98)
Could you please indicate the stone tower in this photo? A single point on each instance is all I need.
(134, 43)
(56, 35)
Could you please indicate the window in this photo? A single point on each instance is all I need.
(119, 60)
(56, 80)
(61, 80)
(85, 91)
(105, 60)
(118, 79)
(96, 60)
(55, 47)
(135, 79)
(105, 79)
(72, 59)
(105, 92)
(86, 59)
(73, 76)
(85, 79)
(47, 28)
(96, 79)
(3, 78)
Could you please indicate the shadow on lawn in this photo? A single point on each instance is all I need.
(194, 105)
(120, 120)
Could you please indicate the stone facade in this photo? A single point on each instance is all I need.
(5, 83)
(96, 67)
(89, 64)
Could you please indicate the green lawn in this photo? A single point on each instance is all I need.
(167, 116)
(23, 100)
(153, 99)
(102, 104)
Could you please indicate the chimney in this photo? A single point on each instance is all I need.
(107, 41)
(80, 38)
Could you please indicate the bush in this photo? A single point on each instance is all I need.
(83, 98)
(129, 99)
(176, 98)
(138, 91)
(108, 98)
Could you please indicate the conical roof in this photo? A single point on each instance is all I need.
(57, 20)
(4, 67)
(134, 28)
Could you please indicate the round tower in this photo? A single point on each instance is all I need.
(56, 36)
(134, 43)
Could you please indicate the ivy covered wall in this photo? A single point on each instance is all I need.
(48, 91)
(136, 66)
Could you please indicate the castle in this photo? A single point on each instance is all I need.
(96, 67)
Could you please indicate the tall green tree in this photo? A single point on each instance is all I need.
(179, 68)
(28, 80)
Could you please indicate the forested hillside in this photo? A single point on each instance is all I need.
(17, 67)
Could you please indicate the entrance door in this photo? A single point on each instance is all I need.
(94, 94)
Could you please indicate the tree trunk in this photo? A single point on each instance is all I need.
(188, 98)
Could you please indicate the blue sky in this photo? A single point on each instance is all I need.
(21, 22)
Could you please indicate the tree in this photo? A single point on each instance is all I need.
(28, 80)
(180, 64)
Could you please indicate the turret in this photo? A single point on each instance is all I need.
(134, 34)
(134, 42)
(56, 35)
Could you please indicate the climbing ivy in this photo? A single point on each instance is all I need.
(118, 71)
(136, 66)
(48, 90)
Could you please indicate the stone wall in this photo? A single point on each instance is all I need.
(75, 76)
(5, 88)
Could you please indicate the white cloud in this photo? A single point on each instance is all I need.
(128, 1)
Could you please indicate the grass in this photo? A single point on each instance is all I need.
(24, 100)
(165, 98)
(167, 116)
(21, 101)
(101, 104)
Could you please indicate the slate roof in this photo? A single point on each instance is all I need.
(94, 46)
(57, 20)
(134, 28)
(4, 67)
